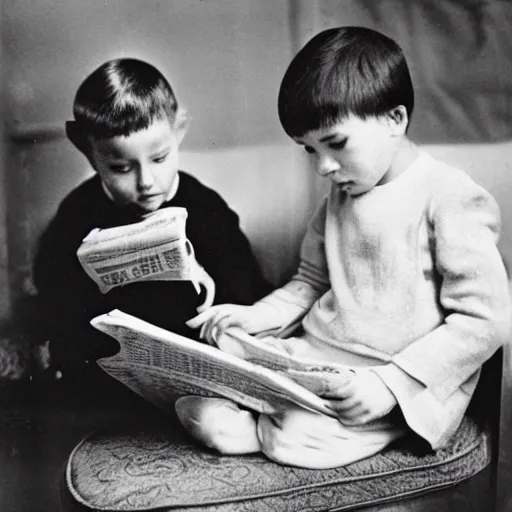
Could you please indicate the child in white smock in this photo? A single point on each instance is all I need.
(400, 277)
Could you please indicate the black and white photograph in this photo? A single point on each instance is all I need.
(255, 255)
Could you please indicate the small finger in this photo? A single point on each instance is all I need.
(200, 319)
(352, 414)
(226, 322)
(206, 330)
(344, 405)
(208, 301)
(355, 421)
(338, 392)
(347, 422)
(341, 387)
(212, 324)
(203, 330)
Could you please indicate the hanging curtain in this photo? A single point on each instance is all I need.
(459, 53)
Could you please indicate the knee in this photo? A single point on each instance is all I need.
(219, 424)
(199, 417)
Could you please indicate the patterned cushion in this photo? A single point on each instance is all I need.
(152, 463)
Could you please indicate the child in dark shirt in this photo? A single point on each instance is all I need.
(129, 126)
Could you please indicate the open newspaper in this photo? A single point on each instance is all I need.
(161, 366)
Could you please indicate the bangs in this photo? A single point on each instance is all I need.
(309, 108)
(335, 76)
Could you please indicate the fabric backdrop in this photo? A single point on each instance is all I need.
(459, 53)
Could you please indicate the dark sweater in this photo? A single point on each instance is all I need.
(68, 299)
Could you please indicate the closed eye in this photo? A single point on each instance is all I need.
(160, 159)
(120, 168)
(337, 145)
(309, 149)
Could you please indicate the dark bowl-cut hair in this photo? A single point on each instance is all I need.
(343, 71)
(121, 97)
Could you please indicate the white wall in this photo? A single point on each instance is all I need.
(267, 186)
(224, 59)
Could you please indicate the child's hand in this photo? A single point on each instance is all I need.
(363, 399)
(252, 319)
(209, 285)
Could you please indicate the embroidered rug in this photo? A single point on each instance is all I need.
(153, 463)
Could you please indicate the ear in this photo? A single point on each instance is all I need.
(398, 119)
(181, 124)
(77, 137)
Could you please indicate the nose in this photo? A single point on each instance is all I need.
(326, 164)
(145, 178)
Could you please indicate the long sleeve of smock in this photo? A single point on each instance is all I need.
(433, 376)
(311, 281)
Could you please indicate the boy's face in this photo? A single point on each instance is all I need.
(141, 168)
(356, 154)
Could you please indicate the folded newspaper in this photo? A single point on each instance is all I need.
(156, 248)
(161, 366)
